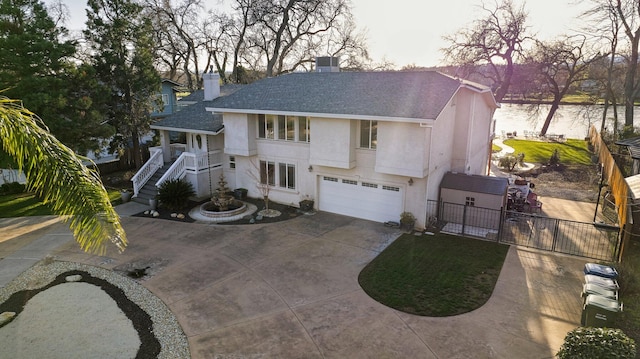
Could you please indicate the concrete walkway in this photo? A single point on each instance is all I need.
(290, 290)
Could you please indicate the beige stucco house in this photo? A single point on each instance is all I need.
(364, 144)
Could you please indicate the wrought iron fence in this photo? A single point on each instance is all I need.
(590, 240)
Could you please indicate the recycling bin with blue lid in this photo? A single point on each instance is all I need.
(601, 270)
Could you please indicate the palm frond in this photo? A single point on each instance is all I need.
(56, 174)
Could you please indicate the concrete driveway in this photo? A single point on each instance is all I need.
(290, 290)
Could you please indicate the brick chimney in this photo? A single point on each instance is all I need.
(211, 83)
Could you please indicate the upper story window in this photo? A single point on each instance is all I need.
(266, 125)
(285, 128)
(232, 162)
(304, 131)
(368, 134)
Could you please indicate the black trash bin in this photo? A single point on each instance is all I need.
(601, 270)
(599, 311)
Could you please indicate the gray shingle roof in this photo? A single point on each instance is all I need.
(475, 183)
(195, 117)
(415, 95)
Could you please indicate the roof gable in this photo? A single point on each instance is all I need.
(413, 95)
(475, 183)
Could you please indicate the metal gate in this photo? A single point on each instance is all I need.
(589, 240)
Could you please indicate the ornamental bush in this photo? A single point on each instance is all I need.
(597, 343)
(174, 194)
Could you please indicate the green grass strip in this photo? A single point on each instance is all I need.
(438, 275)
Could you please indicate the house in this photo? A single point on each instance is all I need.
(365, 144)
(169, 99)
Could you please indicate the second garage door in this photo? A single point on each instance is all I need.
(360, 199)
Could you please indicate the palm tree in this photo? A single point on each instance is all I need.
(58, 176)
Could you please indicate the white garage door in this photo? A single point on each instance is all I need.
(360, 199)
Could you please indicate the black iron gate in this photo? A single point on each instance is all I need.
(589, 240)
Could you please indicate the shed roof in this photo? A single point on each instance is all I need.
(475, 183)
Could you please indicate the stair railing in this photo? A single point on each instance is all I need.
(177, 170)
(147, 170)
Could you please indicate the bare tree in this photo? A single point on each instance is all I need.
(495, 41)
(285, 31)
(560, 63)
(263, 174)
(628, 13)
(177, 32)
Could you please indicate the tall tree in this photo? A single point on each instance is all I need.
(37, 66)
(628, 13)
(285, 31)
(561, 64)
(57, 175)
(494, 42)
(122, 42)
(178, 36)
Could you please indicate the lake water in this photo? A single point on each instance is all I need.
(573, 121)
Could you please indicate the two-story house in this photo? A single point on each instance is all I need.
(364, 144)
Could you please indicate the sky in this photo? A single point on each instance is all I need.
(409, 32)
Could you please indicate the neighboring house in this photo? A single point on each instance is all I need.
(169, 99)
(364, 144)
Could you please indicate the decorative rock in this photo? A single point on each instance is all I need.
(259, 217)
(252, 221)
(6, 317)
(180, 216)
(73, 278)
(174, 215)
(147, 212)
(156, 214)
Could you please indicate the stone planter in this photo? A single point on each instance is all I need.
(306, 205)
(240, 193)
(125, 196)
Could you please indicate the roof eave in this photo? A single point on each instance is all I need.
(322, 115)
(189, 130)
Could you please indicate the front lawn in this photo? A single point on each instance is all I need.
(572, 152)
(439, 275)
(27, 204)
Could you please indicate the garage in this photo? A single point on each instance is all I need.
(361, 199)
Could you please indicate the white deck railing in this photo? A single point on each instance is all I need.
(147, 170)
(193, 163)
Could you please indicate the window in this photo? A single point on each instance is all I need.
(368, 134)
(232, 162)
(470, 201)
(303, 129)
(266, 126)
(267, 173)
(287, 176)
(370, 185)
(351, 182)
(285, 128)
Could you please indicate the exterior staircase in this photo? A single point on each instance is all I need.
(150, 190)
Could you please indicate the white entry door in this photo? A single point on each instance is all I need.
(361, 199)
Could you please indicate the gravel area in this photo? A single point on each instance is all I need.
(135, 301)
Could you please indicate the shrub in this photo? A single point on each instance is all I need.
(597, 343)
(12, 188)
(509, 162)
(555, 158)
(174, 194)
